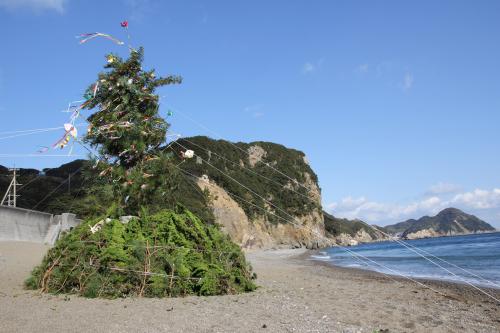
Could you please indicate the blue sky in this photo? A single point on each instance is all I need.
(396, 104)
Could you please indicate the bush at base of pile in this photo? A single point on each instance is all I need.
(168, 254)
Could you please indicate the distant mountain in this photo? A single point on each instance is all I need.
(448, 222)
(400, 227)
(350, 232)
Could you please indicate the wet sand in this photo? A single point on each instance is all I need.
(295, 295)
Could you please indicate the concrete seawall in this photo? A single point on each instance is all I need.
(18, 224)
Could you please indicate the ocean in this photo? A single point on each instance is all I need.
(477, 257)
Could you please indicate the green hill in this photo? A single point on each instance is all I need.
(336, 226)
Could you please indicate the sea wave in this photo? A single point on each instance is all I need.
(466, 257)
(321, 257)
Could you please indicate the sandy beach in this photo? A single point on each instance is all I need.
(295, 295)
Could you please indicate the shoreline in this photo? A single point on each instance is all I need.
(425, 280)
(294, 295)
(438, 284)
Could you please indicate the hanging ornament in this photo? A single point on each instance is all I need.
(110, 58)
(124, 24)
(130, 81)
(170, 113)
(64, 142)
(71, 130)
(187, 154)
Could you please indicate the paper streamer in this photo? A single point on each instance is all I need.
(70, 132)
(42, 150)
(89, 36)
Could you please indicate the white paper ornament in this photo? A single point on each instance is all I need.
(188, 154)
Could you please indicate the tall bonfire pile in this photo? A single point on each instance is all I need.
(138, 249)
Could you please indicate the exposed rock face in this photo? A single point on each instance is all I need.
(262, 193)
(308, 230)
(255, 154)
(314, 191)
(424, 233)
(361, 236)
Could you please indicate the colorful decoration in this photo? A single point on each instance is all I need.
(96, 88)
(124, 24)
(71, 132)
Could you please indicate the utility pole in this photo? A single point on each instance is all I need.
(11, 193)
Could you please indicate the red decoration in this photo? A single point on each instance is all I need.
(124, 24)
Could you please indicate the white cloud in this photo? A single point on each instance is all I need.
(308, 68)
(37, 5)
(407, 81)
(363, 68)
(204, 19)
(311, 67)
(486, 202)
(443, 188)
(141, 9)
(254, 110)
(373, 211)
(479, 199)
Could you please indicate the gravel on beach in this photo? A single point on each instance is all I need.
(295, 295)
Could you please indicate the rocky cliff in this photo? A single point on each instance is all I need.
(263, 194)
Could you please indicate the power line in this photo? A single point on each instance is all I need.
(31, 132)
(39, 155)
(412, 248)
(270, 203)
(244, 151)
(54, 190)
(323, 237)
(249, 170)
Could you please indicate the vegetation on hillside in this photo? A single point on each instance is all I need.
(220, 155)
(336, 226)
(36, 185)
(90, 196)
